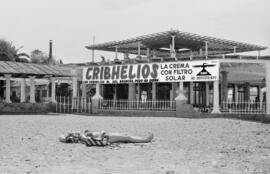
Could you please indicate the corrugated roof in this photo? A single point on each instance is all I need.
(18, 69)
(183, 40)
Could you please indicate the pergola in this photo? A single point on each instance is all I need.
(176, 44)
(10, 70)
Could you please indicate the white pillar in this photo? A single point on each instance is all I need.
(224, 91)
(181, 94)
(74, 87)
(234, 50)
(174, 89)
(247, 91)
(116, 53)
(191, 93)
(148, 52)
(173, 53)
(48, 95)
(83, 89)
(216, 98)
(259, 54)
(139, 91)
(206, 49)
(23, 85)
(53, 90)
(267, 81)
(154, 91)
(32, 90)
(139, 49)
(115, 92)
(260, 93)
(131, 91)
(7, 100)
(235, 92)
(201, 52)
(207, 93)
(97, 94)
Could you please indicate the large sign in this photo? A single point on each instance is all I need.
(153, 72)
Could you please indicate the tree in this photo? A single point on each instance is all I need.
(40, 57)
(8, 52)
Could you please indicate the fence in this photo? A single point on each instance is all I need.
(247, 107)
(73, 104)
(146, 105)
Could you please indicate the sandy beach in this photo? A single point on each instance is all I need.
(29, 144)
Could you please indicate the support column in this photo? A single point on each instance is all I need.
(115, 92)
(235, 92)
(74, 92)
(23, 85)
(247, 91)
(154, 91)
(96, 98)
(260, 93)
(174, 89)
(267, 81)
(74, 87)
(53, 89)
(148, 52)
(191, 93)
(32, 89)
(201, 52)
(139, 49)
(173, 53)
(206, 49)
(183, 109)
(181, 94)
(207, 102)
(131, 91)
(139, 91)
(7, 99)
(224, 85)
(83, 89)
(216, 98)
(116, 53)
(83, 99)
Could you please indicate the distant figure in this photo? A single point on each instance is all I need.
(102, 138)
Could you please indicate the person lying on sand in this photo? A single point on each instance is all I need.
(102, 138)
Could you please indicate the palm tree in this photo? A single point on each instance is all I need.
(8, 52)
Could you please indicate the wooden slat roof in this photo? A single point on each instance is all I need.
(26, 69)
(182, 40)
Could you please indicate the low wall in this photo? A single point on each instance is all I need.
(137, 113)
(26, 108)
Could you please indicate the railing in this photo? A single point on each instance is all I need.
(73, 104)
(247, 107)
(145, 105)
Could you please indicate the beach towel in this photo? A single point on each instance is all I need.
(87, 140)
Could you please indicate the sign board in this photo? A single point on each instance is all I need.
(153, 72)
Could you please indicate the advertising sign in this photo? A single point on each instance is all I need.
(153, 72)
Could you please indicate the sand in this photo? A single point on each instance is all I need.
(29, 144)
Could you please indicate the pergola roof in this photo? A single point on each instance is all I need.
(29, 69)
(184, 43)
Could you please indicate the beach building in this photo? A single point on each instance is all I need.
(207, 73)
(171, 73)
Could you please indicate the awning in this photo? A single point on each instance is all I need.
(17, 69)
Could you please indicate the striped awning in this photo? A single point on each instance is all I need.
(17, 69)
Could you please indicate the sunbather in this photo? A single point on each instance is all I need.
(102, 138)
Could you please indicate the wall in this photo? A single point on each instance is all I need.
(26, 108)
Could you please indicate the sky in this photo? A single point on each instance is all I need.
(72, 24)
